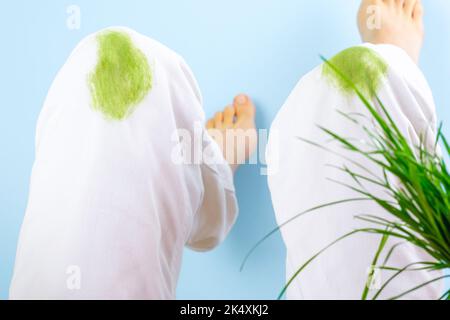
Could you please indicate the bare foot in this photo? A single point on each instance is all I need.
(235, 132)
(397, 22)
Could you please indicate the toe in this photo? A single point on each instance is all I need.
(210, 124)
(393, 3)
(218, 120)
(400, 3)
(418, 11)
(409, 7)
(244, 106)
(228, 116)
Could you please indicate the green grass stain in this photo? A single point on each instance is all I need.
(122, 77)
(362, 66)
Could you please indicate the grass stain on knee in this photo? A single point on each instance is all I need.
(122, 77)
(362, 66)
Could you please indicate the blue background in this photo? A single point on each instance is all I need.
(261, 47)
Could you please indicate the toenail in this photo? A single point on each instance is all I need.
(241, 99)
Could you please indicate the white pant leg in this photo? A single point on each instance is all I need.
(299, 176)
(109, 211)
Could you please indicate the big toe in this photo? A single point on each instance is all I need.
(418, 11)
(244, 106)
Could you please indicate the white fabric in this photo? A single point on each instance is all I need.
(106, 198)
(299, 176)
